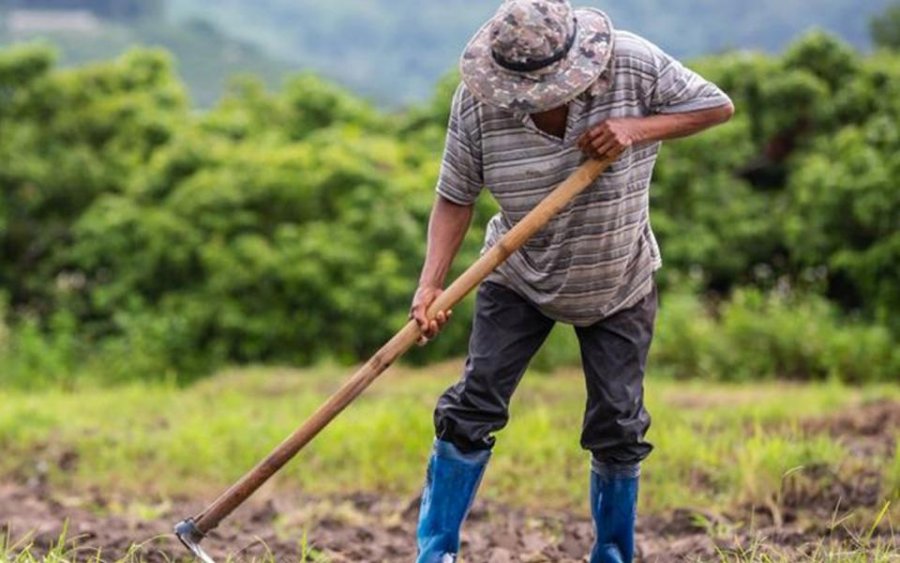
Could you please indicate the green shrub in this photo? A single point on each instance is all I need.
(32, 358)
(753, 336)
(143, 240)
(757, 335)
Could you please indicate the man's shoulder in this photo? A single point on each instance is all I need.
(630, 47)
(470, 111)
(463, 99)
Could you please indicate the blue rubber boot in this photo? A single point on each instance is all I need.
(614, 492)
(450, 485)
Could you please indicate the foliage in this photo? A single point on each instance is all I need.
(142, 240)
(847, 214)
(885, 27)
(755, 336)
(282, 228)
(70, 137)
(799, 187)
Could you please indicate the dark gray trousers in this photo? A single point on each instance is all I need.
(507, 331)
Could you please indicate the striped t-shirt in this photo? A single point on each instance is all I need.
(598, 255)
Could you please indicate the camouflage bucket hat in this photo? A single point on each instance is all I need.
(535, 55)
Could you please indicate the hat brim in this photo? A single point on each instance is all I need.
(552, 87)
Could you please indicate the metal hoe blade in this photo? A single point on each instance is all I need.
(191, 537)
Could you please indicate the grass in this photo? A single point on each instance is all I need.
(758, 552)
(718, 446)
(715, 444)
(21, 551)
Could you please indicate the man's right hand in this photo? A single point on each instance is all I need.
(424, 297)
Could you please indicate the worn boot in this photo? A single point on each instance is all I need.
(614, 490)
(450, 485)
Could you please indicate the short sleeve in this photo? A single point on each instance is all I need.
(461, 178)
(678, 89)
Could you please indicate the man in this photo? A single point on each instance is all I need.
(545, 86)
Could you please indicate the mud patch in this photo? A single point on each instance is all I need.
(870, 429)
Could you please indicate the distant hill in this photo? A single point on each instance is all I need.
(391, 51)
(206, 56)
(394, 50)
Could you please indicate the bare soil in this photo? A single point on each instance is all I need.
(368, 527)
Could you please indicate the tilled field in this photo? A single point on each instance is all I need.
(804, 524)
(371, 528)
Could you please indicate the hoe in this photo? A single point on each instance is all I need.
(191, 531)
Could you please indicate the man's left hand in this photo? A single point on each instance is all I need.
(610, 137)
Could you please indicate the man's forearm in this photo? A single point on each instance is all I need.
(614, 135)
(446, 230)
(663, 127)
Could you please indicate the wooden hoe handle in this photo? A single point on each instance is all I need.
(536, 219)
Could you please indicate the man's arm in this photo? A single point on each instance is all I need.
(446, 230)
(620, 133)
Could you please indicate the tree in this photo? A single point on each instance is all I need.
(885, 28)
(289, 226)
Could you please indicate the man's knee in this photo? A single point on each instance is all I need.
(467, 417)
(618, 438)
